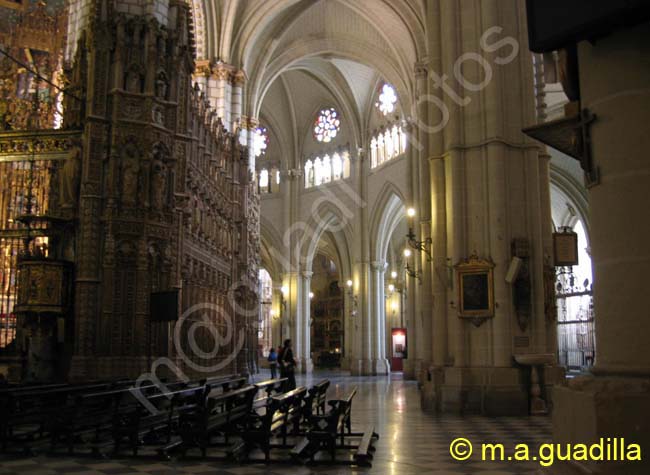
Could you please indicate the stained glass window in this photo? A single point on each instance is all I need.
(261, 141)
(327, 125)
(387, 99)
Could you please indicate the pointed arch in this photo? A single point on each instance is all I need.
(327, 218)
(271, 248)
(387, 213)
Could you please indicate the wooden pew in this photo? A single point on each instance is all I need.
(220, 413)
(282, 415)
(137, 422)
(324, 430)
(316, 398)
(268, 388)
(28, 415)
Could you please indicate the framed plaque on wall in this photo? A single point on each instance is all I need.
(565, 248)
(475, 278)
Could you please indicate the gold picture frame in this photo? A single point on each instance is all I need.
(475, 283)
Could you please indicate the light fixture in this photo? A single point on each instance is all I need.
(285, 290)
(353, 298)
(393, 275)
(311, 295)
(391, 288)
(407, 267)
(420, 246)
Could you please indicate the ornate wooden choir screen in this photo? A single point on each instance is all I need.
(155, 195)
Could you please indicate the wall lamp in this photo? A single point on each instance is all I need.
(353, 298)
(420, 246)
(410, 271)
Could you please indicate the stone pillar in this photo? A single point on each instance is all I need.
(218, 88)
(361, 360)
(295, 316)
(378, 324)
(409, 315)
(238, 81)
(614, 401)
(306, 363)
(422, 228)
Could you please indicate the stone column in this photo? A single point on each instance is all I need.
(614, 78)
(378, 323)
(238, 81)
(217, 92)
(306, 364)
(295, 317)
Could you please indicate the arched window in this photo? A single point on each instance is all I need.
(309, 174)
(264, 181)
(318, 172)
(337, 166)
(327, 125)
(387, 99)
(390, 149)
(264, 330)
(260, 141)
(327, 169)
(387, 144)
(402, 141)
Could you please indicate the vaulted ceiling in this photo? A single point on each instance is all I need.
(302, 55)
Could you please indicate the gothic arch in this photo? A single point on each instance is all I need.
(327, 217)
(271, 248)
(564, 185)
(389, 210)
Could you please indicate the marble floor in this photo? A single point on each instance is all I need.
(410, 442)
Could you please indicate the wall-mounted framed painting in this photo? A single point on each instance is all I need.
(475, 283)
(565, 248)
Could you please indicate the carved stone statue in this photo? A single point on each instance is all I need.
(161, 86)
(70, 178)
(129, 176)
(158, 185)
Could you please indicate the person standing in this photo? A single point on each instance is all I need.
(287, 365)
(273, 363)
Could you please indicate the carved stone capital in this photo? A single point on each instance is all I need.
(238, 78)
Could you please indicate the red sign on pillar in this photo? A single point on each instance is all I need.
(398, 349)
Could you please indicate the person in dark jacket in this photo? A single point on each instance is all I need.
(287, 365)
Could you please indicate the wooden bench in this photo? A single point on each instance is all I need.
(91, 418)
(269, 387)
(282, 414)
(27, 416)
(220, 413)
(137, 423)
(324, 430)
(316, 398)
(344, 406)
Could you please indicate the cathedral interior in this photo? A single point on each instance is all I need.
(324, 236)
